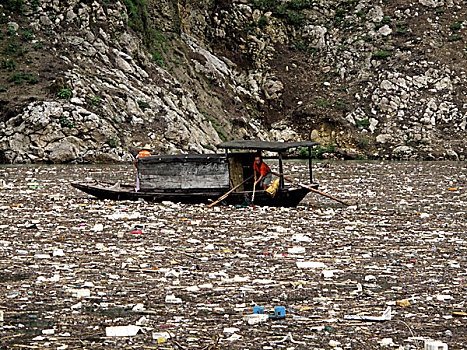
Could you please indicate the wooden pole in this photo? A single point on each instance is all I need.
(281, 171)
(313, 189)
(254, 190)
(310, 165)
(227, 194)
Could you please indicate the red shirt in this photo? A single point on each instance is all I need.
(263, 170)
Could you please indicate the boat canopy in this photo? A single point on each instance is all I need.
(265, 145)
(279, 147)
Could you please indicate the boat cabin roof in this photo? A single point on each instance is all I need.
(265, 145)
(184, 158)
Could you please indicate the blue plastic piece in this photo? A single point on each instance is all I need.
(279, 313)
(258, 310)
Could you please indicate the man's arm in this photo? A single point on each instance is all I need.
(258, 179)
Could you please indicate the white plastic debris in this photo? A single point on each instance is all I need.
(296, 250)
(231, 330)
(77, 306)
(161, 335)
(310, 265)
(42, 256)
(142, 321)
(80, 293)
(299, 237)
(98, 228)
(126, 216)
(289, 338)
(122, 331)
(39, 338)
(386, 316)
(58, 252)
(172, 299)
(255, 318)
(234, 337)
(443, 297)
(192, 289)
(435, 345)
(209, 247)
(386, 342)
(138, 307)
(334, 343)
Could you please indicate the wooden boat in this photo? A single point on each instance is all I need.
(202, 178)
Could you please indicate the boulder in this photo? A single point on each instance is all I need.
(63, 152)
(376, 14)
(273, 89)
(432, 3)
(385, 30)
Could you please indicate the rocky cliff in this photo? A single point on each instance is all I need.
(86, 81)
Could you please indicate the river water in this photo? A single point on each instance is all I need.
(73, 265)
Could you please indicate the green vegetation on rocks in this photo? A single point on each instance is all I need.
(381, 55)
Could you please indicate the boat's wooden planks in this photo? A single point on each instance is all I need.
(183, 175)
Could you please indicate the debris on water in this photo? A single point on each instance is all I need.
(310, 265)
(73, 275)
(435, 345)
(386, 316)
(403, 303)
(255, 318)
(122, 331)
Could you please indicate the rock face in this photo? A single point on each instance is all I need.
(86, 81)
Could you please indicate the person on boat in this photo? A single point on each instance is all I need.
(145, 152)
(262, 172)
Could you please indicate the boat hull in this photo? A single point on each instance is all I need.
(286, 197)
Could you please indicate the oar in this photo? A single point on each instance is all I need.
(226, 195)
(254, 190)
(313, 189)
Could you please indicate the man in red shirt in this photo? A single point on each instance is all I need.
(263, 171)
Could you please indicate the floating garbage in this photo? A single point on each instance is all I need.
(316, 276)
(255, 318)
(172, 299)
(98, 228)
(310, 265)
(122, 331)
(386, 316)
(435, 345)
(80, 293)
(296, 250)
(161, 337)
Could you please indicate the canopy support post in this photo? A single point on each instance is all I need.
(281, 171)
(310, 165)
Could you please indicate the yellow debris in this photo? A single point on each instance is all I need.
(403, 303)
